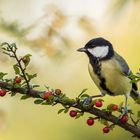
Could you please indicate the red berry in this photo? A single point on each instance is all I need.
(98, 103)
(115, 107)
(90, 121)
(106, 129)
(2, 92)
(18, 80)
(57, 91)
(73, 113)
(47, 94)
(124, 119)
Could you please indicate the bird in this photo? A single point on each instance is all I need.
(109, 71)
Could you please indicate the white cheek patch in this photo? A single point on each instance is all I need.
(99, 51)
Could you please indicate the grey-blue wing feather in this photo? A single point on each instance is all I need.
(125, 68)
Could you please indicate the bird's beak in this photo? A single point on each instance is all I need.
(81, 50)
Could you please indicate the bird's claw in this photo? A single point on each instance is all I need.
(87, 100)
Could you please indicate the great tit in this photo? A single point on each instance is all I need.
(109, 71)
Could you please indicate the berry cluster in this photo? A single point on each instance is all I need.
(49, 94)
(90, 121)
(17, 80)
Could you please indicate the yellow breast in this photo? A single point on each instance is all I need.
(116, 82)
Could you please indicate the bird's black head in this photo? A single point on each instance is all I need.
(98, 48)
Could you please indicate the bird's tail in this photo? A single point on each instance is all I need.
(134, 94)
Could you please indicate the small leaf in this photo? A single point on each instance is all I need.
(112, 126)
(104, 110)
(13, 45)
(83, 91)
(34, 86)
(2, 75)
(61, 96)
(16, 68)
(103, 121)
(45, 103)
(26, 59)
(5, 49)
(25, 97)
(17, 85)
(109, 107)
(101, 100)
(60, 111)
(13, 94)
(38, 101)
(138, 114)
(79, 115)
(84, 95)
(66, 110)
(6, 53)
(31, 76)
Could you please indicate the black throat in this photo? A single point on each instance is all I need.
(96, 65)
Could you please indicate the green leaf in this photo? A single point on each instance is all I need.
(6, 53)
(17, 85)
(109, 107)
(112, 126)
(13, 45)
(16, 68)
(104, 110)
(34, 86)
(66, 110)
(101, 100)
(25, 97)
(26, 59)
(38, 101)
(31, 76)
(60, 111)
(103, 121)
(84, 96)
(51, 97)
(138, 114)
(61, 96)
(83, 91)
(13, 94)
(2, 75)
(79, 115)
(45, 103)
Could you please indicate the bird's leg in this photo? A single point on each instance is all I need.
(126, 104)
(125, 111)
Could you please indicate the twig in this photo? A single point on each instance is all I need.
(19, 64)
(67, 101)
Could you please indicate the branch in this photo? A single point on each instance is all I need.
(70, 102)
(84, 103)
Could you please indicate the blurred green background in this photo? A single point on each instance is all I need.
(52, 31)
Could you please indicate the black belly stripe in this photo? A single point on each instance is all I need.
(97, 70)
(104, 87)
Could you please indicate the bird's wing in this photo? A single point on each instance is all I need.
(123, 65)
(125, 68)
